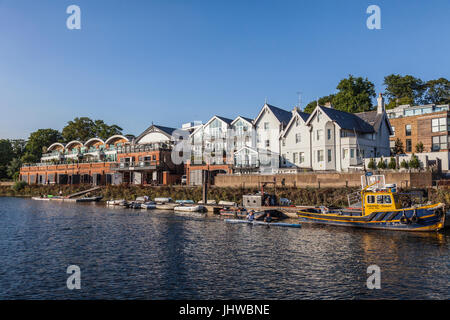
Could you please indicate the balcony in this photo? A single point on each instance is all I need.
(131, 166)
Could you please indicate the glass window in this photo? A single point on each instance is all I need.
(370, 199)
(266, 126)
(344, 153)
(302, 157)
(393, 131)
(318, 134)
(387, 199)
(298, 138)
(329, 155)
(319, 155)
(439, 124)
(380, 199)
(352, 153)
(267, 143)
(329, 134)
(408, 129)
(294, 157)
(440, 143)
(408, 145)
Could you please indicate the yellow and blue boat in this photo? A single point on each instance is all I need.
(379, 207)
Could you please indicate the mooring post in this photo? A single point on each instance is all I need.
(205, 187)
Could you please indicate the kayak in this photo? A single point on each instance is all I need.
(275, 224)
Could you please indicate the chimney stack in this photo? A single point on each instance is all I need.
(380, 107)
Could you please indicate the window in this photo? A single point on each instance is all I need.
(440, 143)
(298, 138)
(408, 145)
(380, 199)
(439, 124)
(319, 155)
(344, 153)
(393, 131)
(284, 142)
(267, 143)
(318, 134)
(370, 199)
(318, 116)
(408, 129)
(329, 134)
(294, 157)
(387, 199)
(266, 126)
(302, 157)
(352, 153)
(329, 155)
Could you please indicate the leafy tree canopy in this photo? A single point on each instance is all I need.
(437, 91)
(84, 128)
(354, 95)
(38, 142)
(403, 90)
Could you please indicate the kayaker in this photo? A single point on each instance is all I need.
(251, 215)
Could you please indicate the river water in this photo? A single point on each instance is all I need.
(135, 254)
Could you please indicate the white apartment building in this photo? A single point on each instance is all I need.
(335, 140)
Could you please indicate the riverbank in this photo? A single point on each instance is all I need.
(298, 196)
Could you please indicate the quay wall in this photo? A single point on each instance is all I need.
(318, 180)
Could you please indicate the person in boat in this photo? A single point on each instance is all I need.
(60, 192)
(268, 217)
(251, 215)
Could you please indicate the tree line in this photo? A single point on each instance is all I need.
(355, 94)
(15, 152)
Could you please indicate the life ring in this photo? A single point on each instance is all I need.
(404, 219)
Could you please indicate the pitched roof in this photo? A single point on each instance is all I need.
(282, 115)
(225, 119)
(168, 131)
(303, 115)
(348, 120)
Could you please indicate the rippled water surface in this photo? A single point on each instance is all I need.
(134, 254)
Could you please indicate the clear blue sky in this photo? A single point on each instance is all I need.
(173, 61)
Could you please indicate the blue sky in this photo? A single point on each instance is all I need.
(173, 61)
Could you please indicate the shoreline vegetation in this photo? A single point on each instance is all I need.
(298, 196)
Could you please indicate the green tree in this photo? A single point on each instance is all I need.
(6, 155)
(104, 131)
(18, 146)
(84, 128)
(38, 142)
(404, 164)
(403, 90)
(398, 147)
(419, 147)
(414, 162)
(13, 169)
(372, 165)
(392, 163)
(322, 101)
(437, 91)
(381, 164)
(354, 95)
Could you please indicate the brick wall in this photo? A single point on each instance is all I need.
(403, 179)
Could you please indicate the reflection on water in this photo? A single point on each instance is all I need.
(129, 254)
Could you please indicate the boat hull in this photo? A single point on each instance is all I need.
(422, 219)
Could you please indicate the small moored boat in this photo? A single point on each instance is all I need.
(194, 208)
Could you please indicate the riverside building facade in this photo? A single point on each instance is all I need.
(275, 141)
